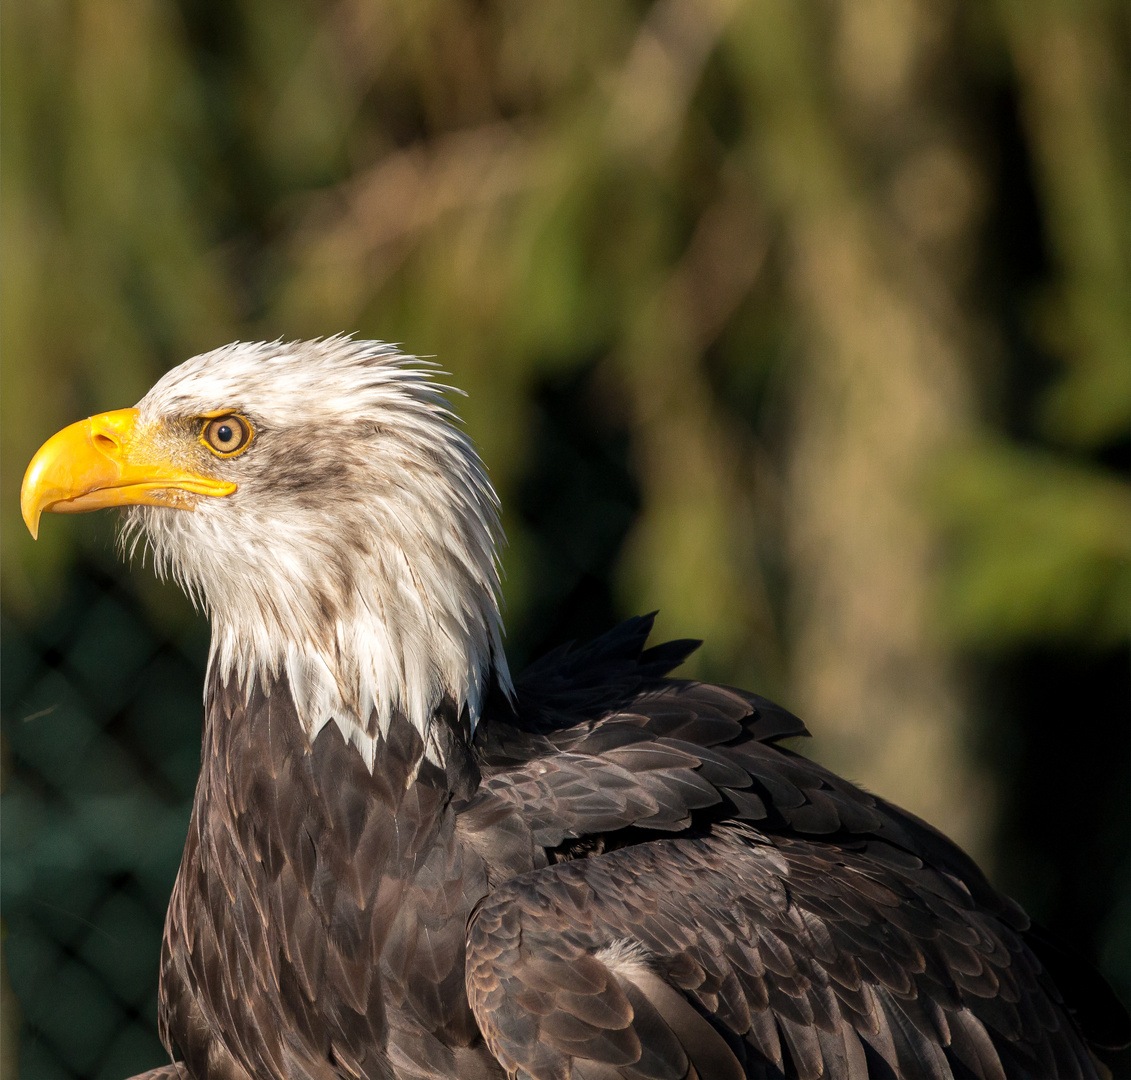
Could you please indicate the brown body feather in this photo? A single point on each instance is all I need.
(624, 877)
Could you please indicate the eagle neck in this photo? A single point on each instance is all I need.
(264, 718)
(359, 675)
(291, 841)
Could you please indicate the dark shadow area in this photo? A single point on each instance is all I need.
(579, 499)
(1055, 737)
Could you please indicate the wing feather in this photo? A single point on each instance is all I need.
(857, 942)
(723, 937)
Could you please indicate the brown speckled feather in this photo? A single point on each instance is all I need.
(622, 876)
(317, 924)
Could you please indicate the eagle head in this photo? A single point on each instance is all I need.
(318, 499)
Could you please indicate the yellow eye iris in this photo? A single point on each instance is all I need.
(226, 436)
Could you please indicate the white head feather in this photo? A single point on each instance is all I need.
(358, 554)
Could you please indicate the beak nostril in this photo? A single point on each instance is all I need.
(103, 442)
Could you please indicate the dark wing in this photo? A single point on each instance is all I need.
(653, 768)
(658, 754)
(659, 757)
(599, 740)
(727, 957)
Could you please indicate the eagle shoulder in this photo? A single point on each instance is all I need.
(662, 873)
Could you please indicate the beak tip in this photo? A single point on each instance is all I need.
(31, 500)
(31, 514)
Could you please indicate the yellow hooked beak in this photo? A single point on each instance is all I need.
(108, 460)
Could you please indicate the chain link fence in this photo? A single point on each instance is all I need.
(101, 728)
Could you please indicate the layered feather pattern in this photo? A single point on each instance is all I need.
(642, 885)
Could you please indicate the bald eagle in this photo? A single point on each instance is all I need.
(403, 863)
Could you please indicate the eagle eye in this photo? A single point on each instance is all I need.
(227, 435)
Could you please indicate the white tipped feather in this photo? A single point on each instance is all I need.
(358, 554)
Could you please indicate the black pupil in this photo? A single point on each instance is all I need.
(224, 433)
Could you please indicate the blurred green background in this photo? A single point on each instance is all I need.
(808, 324)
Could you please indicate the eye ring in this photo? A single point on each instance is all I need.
(228, 435)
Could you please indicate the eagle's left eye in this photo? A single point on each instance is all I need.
(226, 435)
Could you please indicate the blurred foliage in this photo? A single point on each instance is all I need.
(1030, 525)
(1044, 535)
(805, 323)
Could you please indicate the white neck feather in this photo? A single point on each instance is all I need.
(397, 649)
